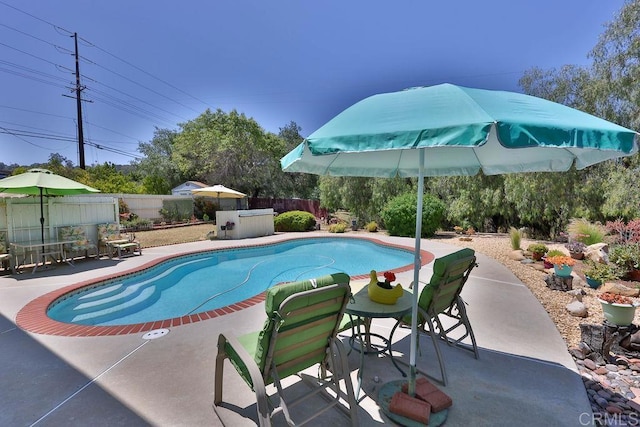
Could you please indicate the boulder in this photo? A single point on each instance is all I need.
(558, 283)
(577, 309)
(516, 255)
(537, 266)
(597, 252)
(619, 289)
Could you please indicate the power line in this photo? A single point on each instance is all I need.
(27, 34)
(147, 73)
(145, 87)
(34, 71)
(31, 55)
(104, 97)
(138, 99)
(18, 133)
(22, 139)
(35, 112)
(135, 111)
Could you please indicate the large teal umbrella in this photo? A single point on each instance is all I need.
(43, 182)
(451, 130)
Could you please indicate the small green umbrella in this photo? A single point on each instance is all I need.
(452, 130)
(42, 182)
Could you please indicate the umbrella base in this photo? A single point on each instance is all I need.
(384, 400)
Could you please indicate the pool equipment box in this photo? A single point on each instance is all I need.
(244, 223)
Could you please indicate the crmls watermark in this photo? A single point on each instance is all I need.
(606, 419)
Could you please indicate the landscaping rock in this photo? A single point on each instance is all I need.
(577, 294)
(537, 266)
(597, 252)
(516, 255)
(619, 289)
(577, 309)
(558, 283)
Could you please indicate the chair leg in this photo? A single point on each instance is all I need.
(435, 338)
(219, 372)
(337, 346)
(465, 319)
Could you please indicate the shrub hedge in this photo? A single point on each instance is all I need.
(295, 221)
(399, 215)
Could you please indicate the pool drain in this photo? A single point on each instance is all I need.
(156, 333)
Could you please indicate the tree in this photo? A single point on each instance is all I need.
(363, 197)
(616, 67)
(231, 149)
(158, 171)
(302, 185)
(108, 180)
(474, 201)
(544, 201)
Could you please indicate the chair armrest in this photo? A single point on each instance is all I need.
(245, 358)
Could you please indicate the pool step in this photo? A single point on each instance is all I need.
(111, 300)
(128, 306)
(101, 292)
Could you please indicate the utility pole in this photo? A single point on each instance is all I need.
(79, 89)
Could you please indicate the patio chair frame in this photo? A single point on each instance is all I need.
(297, 316)
(441, 296)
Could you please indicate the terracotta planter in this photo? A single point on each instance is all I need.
(634, 275)
(536, 256)
(577, 255)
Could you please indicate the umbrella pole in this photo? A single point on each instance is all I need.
(416, 277)
(42, 227)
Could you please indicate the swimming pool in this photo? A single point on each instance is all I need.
(196, 283)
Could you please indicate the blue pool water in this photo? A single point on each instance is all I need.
(197, 283)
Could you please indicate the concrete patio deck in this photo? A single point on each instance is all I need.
(525, 375)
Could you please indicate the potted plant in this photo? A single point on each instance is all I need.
(551, 253)
(617, 309)
(597, 273)
(537, 250)
(627, 257)
(576, 249)
(562, 264)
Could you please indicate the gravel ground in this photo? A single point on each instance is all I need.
(496, 246)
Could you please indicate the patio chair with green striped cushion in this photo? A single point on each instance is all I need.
(300, 332)
(441, 297)
(4, 256)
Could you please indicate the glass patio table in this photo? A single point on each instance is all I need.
(365, 310)
(39, 252)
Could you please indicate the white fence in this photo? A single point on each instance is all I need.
(21, 216)
(146, 206)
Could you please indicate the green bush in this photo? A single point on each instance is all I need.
(371, 227)
(340, 227)
(137, 224)
(202, 207)
(625, 256)
(176, 210)
(295, 221)
(399, 215)
(515, 236)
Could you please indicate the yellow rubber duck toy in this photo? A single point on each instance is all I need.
(381, 294)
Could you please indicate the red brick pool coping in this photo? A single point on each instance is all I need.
(33, 316)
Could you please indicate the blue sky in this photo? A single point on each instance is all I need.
(148, 64)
